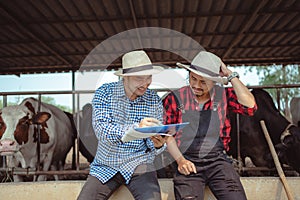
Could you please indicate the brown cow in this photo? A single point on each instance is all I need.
(18, 136)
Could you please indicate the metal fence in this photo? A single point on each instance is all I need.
(76, 108)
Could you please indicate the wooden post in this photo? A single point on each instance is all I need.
(277, 163)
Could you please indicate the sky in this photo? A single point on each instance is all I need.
(169, 78)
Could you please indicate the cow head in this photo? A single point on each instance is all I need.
(288, 150)
(15, 122)
(292, 151)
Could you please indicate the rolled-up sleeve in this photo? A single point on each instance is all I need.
(236, 107)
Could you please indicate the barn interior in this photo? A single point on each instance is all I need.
(70, 36)
(56, 36)
(39, 37)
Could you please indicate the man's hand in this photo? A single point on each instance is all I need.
(158, 141)
(224, 71)
(185, 166)
(149, 122)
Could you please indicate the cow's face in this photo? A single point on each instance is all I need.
(15, 122)
(289, 151)
(293, 150)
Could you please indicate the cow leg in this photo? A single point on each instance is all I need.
(55, 167)
(249, 164)
(18, 178)
(13, 162)
(46, 166)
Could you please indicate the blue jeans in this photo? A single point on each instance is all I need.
(143, 186)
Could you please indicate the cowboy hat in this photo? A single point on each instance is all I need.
(137, 63)
(207, 65)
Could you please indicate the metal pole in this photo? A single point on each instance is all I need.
(78, 131)
(75, 150)
(239, 144)
(4, 163)
(38, 145)
(278, 98)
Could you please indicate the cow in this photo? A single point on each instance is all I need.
(285, 136)
(295, 110)
(19, 127)
(87, 138)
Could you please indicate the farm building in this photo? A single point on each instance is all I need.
(63, 36)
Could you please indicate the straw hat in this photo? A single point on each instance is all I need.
(137, 63)
(207, 65)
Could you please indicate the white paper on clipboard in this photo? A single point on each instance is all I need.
(162, 128)
(145, 132)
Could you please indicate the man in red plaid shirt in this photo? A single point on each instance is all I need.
(199, 149)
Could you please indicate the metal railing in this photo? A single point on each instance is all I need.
(76, 109)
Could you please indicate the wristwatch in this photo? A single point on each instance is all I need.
(233, 75)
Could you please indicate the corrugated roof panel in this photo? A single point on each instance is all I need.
(37, 35)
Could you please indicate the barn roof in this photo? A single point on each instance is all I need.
(57, 35)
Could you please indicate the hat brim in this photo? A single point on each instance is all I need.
(217, 79)
(155, 70)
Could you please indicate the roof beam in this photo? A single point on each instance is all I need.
(32, 35)
(243, 29)
(98, 39)
(84, 53)
(232, 62)
(162, 16)
(135, 22)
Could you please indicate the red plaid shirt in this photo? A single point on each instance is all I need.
(187, 99)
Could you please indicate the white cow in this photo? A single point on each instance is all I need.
(295, 110)
(18, 136)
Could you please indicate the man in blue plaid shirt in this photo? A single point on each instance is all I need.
(118, 108)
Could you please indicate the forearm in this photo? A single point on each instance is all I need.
(243, 94)
(185, 166)
(173, 149)
(107, 131)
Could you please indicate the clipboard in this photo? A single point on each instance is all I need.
(163, 128)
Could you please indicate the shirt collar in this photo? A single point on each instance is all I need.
(120, 89)
(121, 92)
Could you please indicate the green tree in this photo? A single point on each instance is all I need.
(51, 100)
(45, 99)
(8, 103)
(280, 75)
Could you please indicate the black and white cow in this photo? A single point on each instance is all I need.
(285, 136)
(18, 136)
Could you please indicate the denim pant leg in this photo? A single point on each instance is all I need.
(144, 183)
(219, 175)
(93, 189)
(224, 182)
(189, 187)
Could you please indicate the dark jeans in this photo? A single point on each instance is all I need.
(143, 186)
(220, 176)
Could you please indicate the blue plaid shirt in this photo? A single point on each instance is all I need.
(114, 114)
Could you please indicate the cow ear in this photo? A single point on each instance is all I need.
(40, 117)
